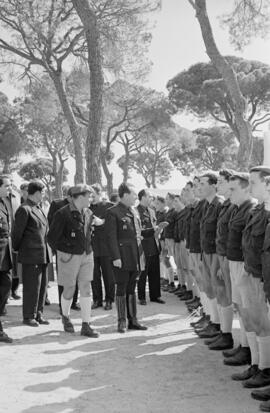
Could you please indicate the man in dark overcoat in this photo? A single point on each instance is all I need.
(29, 239)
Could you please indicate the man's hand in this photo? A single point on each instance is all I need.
(117, 263)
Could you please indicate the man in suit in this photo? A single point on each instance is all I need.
(29, 239)
(123, 232)
(5, 252)
(70, 235)
(151, 250)
(102, 262)
(57, 204)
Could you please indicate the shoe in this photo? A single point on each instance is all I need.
(4, 338)
(194, 307)
(262, 395)
(201, 320)
(171, 287)
(15, 296)
(246, 374)
(187, 296)
(164, 281)
(47, 301)
(67, 324)
(134, 325)
(182, 290)
(177, 289)
(108, 306)
(142, 302)
(75, 307)
(260, 379)
(202, 326)
(121, 328)
(194, 300)
(225, 341)
(241, 358)
(87, 331)
(96, 304)
(209, 341)
(265, 407)
(158, 300)
(31, 322)
(42, 320)
(210, 331)
(232, 352)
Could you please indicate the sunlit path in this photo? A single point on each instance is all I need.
(166, 368)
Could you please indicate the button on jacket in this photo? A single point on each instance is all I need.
(148, 220)
(222, 227)
(253, 240)
(122, 236)
(99, 243)
(236, 226)
(194, 231)
(170, 218)
(208, 226)
(71, 230)
(29, 235)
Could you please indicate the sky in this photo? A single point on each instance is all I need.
(176, 45)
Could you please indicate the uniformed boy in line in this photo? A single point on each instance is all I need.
(169, 238)
(223, 290)
(210, 263)
(179, 206)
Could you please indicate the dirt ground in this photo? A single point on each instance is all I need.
(164, 369)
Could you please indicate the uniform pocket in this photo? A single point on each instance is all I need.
(64, 257)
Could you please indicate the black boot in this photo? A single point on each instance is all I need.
(132, 314)
(4, 338)
(121, 312)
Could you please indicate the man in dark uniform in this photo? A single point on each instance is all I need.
(123, 234)
(5, 252)
(29, 239)
(57, 204)
(102, 262)
(210, 264)
(150, 249)
(254, 309)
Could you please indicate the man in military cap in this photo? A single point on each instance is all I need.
(70, 235)
(123, 237)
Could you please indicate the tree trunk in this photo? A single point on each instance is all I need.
(93, 140)
(230, 79)
(75, 129)
(6, 167)
(108, 174)
(126, 164)
(58, 175)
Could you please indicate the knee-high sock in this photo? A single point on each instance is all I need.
(254, 348)
(226, 318)
(85, 303)
(264, 352)
(214, 316)
(204, 301)
(65, 304)
(195, 288)
(243, 334)
(171, 275)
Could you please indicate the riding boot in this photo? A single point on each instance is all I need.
(121, 312)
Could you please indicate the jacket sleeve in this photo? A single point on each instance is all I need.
(111, 236)
(56, 229)
(51, 212)
(21, 219)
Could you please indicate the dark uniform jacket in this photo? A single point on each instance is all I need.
(190, 209)
(161, 217)
(5, 247)
(179, 226)
(71, 230)
(148, 220)
(99, 243)
(222, 227)
(208, 226)
(194, 231)
(56, 204)
(170, 218)
(29, 235)
(253, 240)
(236, 225)
(266, 261)
(122, 236)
